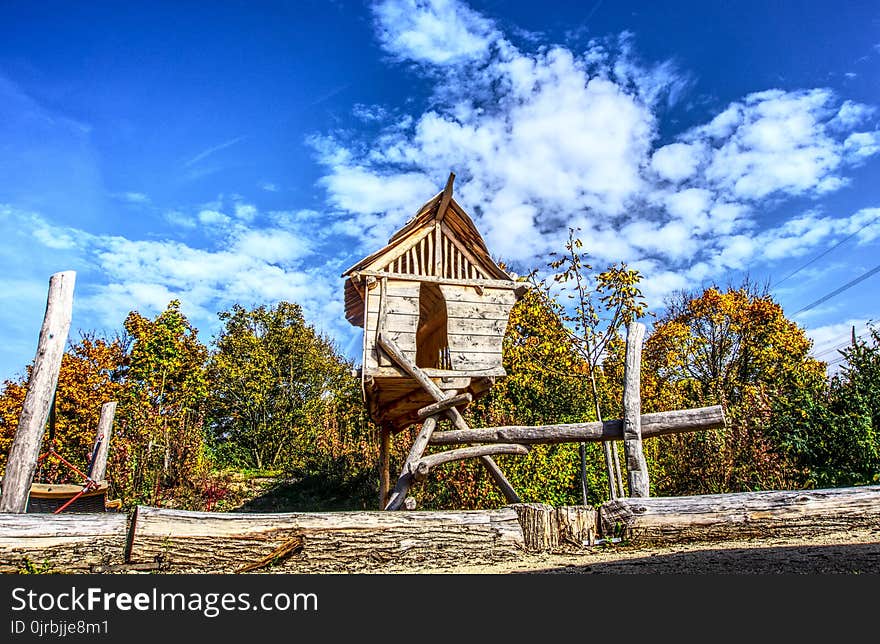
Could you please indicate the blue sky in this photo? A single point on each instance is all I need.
(250, 151)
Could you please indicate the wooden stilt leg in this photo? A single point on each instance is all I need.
(384, 466)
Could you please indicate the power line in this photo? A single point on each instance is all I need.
(822, 254)
(838, 291)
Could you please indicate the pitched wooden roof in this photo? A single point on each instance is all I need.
(460, 245)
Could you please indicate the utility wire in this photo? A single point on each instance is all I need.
(838, 291)
(822, 254)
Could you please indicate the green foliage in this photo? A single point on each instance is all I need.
(159, 442)
(832, 428)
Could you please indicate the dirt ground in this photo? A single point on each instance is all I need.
(851, 552)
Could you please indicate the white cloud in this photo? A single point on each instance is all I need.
(439, 32)
(861, 145)
(677, 161)
(544, 140)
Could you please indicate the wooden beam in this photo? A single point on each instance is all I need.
(656, 424)
(25, 449)
(485, 283)
(443, 405)
(742, 514)
(427, 463)
(66, 542)
(446, 198)
(103, 434)
(636, 466)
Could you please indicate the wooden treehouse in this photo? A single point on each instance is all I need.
(434, 308)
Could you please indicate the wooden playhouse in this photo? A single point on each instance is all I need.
(437, 294)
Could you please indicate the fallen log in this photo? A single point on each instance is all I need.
(331, 541)
(60, 542)
(656, 424)
(742, 514)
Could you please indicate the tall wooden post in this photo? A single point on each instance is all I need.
(105, 428)
(384, 466)
(636, 466)
(41, 389)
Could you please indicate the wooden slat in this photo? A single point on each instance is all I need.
(471, 326)
(457, 293)
(474, 361)
(505, 284)
(473, 310)
(393, 322)
(397, 305)
(475, 343)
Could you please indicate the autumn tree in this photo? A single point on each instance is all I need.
(733, 347)
(90, 375)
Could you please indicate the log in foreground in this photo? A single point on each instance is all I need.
(331, 541)
(743, 514)
(656, 424)
(60, 542)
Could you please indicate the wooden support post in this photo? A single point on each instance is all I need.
(384, 466)
(105, 429)
(25, 450)
(405, 480)
(390, 347)
(636, 466)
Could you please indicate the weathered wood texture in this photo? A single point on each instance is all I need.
(332, 541)
(384, 466)
(656, 424)
(62, 542)
(546, 528)
(745, 514)
(636, 465)
(25, 450)
(104, 433)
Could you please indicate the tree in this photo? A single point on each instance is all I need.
(89, 376)
(832, 430)
(735, 348)
(621, 302)
(273, 379)
(160, 442)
